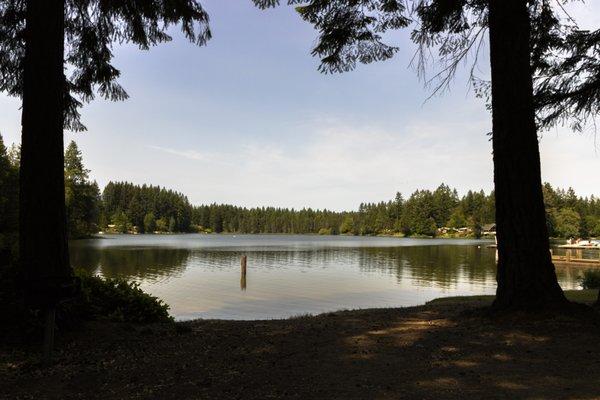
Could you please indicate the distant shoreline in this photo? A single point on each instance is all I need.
(99, 235)
(399, 236)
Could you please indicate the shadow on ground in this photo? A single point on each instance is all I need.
(430, 352)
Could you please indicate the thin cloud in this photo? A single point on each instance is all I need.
(335, 167)
(191, 154)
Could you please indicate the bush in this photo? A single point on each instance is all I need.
(117, 300)
(96, 298)
(591, 279)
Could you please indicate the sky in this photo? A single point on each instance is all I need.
(248, 120)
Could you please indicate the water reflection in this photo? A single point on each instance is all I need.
(202, 276)
(442, 266)
(140, 264)
(243, 282)
(243, 264)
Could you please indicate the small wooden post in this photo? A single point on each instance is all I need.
(243, 263)
(568, 257)
(49, 335)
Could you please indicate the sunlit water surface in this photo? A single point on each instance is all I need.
(287, 275)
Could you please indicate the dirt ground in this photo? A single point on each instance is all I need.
(436, 351)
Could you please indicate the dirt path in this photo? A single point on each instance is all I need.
(429, 352)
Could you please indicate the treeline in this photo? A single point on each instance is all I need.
(421, 214)
(568, 215)
(232, 219)
(124, 207)
(127, 207)
(82, 196)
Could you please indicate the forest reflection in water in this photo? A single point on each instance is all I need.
(199, 275)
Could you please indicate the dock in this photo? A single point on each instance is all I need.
(575, 247)
(569, 259)
(575, 262)
(574, 256)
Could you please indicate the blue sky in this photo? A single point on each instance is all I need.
(248, 120)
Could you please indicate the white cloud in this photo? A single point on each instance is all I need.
(337, 166)
(190, 154)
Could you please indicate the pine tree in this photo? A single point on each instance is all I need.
(32, 67)
(74, 169)
(82, 197)
(149, 222)
(568, 87)
(351, 32)
(8, 204)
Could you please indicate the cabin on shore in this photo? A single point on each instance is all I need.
(489, 229)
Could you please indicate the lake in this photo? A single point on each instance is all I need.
(288, 275)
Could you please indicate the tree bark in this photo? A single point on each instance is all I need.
(526, 276)
(43, 246)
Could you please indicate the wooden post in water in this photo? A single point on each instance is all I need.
(243, 262)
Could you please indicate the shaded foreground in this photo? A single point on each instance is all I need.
(432, 351)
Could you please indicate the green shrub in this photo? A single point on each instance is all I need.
(115, 299)
(591, 279)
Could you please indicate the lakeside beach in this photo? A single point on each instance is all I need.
(443, 349)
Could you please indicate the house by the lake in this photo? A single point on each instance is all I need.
(489, 229)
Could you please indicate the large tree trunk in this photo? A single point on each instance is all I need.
(526, 276)
(43, 247)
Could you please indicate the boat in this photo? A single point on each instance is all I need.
(581, 244)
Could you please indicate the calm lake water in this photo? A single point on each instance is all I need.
(199, 275)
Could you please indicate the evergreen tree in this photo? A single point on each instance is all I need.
(162, 224)
(172, 225)
(457, 219)
(568, 87)
(14, 155)
(444, 202)
(526, 276)
(75, 172)
(397, 209)
(82, 197)
(8, 204)
(351, 32)
(149, 222)
(33, 65)
(567, 222)
(121, 222)
(139, 201)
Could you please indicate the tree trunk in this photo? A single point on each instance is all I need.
(43, 247)
(526, 276)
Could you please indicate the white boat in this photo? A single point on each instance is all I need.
(582, 244)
